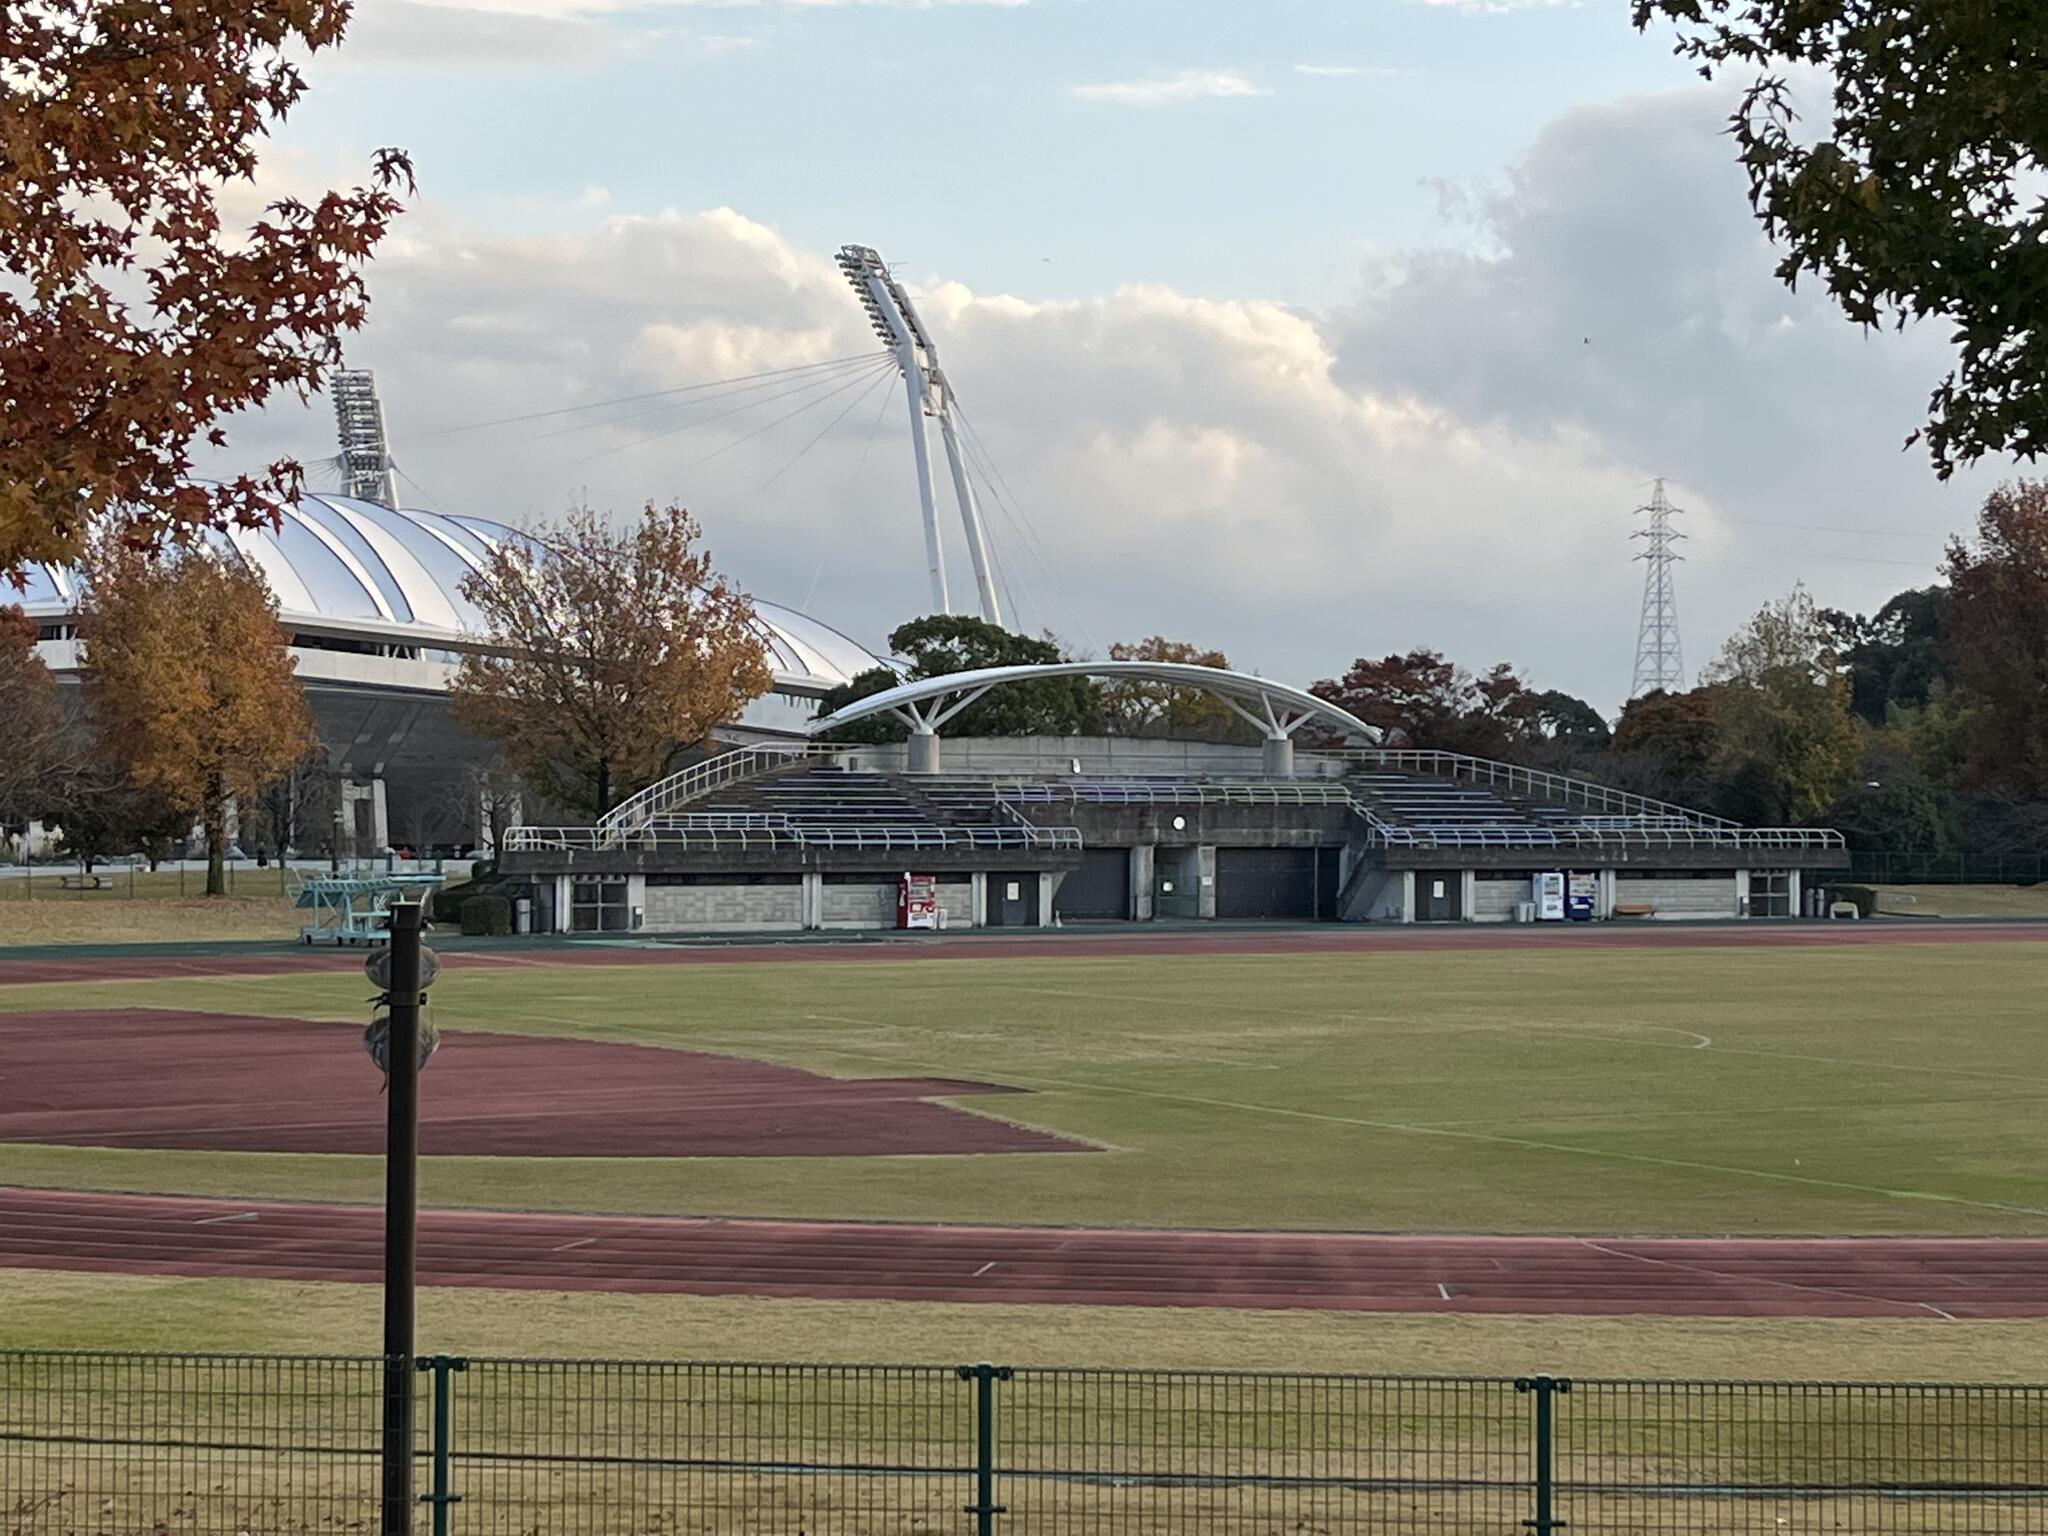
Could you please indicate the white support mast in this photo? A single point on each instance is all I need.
(366, 463)
(896, 321)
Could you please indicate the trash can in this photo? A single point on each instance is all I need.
(522, 915)
(1525, 911)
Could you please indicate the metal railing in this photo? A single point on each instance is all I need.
(666, 838)
(1949, 868)
(1679, 839)
(1141, 792)
(713, 773)
(217, 1445)
(1536, 783)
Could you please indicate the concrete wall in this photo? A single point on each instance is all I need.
(1494, 901)
(1712, 897)
(874, 906)
(1052, 756)
(723, 908)
(1383, 896)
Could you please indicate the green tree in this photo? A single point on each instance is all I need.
(1997, 639)
(1893, 658)
(1787, 740)
(34, 762)
(1917, 197)
(946, 643)
(1188, 714)
(608, 654)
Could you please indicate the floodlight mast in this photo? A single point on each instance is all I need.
(896, 321)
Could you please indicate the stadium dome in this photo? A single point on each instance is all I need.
(338, 564)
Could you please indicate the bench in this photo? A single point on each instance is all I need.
(1634, 909)
(84, 883)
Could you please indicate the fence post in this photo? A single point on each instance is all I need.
(1545, 1389)
(442, 1367)
(985, 1508)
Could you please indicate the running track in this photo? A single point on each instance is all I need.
(1780, 1277)
(1814, 1277)
(1076, 944)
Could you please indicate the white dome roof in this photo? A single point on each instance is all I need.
(333, 559)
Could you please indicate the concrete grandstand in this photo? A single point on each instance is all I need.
(1025, 832)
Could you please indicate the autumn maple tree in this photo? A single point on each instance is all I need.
(606, 653)
(33, 757)
(190, 681)
(1132, 708)
(132, 316)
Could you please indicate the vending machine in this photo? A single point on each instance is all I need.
(1581, 895)
(917, 901)
(1548, 895)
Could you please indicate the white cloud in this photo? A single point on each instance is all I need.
(1161, 90)
(1451, 462)
(1328, 71)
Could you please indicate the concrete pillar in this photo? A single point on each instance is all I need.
(380, 816)
(1048, 887)
(1205, 881)
(1407, 895)
(811, 904)
(1795, 893)
(1742, 893)
(1468, 893)
(562, 903)
(923, 754)
(1605, 907)
(1279, 757)
(1143, 873)
(977, 899)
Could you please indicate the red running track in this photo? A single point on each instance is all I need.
(1108, 941)
(1775, 1277)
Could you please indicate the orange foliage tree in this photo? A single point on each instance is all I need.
(130, 318)
(609, 653)
(190, 680)
(33, 753)
(1153, 709)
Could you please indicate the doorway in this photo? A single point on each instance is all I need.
(1439, 895)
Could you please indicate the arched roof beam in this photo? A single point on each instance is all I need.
(931, 702)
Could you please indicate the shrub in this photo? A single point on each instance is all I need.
(486, 915)
(445, 905)
(1864, 897)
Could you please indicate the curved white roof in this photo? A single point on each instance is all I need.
(332, 560)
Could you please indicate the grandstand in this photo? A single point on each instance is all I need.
(1036, 831)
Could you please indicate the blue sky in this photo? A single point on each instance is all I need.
(1305, 329)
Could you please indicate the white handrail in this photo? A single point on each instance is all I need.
(713, 773)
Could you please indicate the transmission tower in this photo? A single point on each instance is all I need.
(1659, 663)
(896, 321)
(366, 467)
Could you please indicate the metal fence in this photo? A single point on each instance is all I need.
(106, 1445)
(1949, 868)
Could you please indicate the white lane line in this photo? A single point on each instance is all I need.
(1443, 1290)
(581, 1242)
(216, 1221)
(991, 1264)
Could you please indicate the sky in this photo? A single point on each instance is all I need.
(1304, 329)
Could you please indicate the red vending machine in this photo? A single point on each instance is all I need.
(917, 901)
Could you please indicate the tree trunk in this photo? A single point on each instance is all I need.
(214, 810)
(604, 788)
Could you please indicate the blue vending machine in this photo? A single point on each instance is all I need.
(1581, 895)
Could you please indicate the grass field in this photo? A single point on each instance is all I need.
(1963, 900)
(1868, 1089)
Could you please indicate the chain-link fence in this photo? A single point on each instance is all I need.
(159, 1445)
(1948, 868)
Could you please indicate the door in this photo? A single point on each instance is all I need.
(1013, 899)
(1273, 883)
(1437, 895)
(1100, 889)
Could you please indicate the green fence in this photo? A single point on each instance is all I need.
(107, 1445)
(1949, 868)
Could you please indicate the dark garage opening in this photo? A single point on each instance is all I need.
(1292, 883)
(1100, 889)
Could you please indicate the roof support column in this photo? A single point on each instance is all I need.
(1279, 763)
(924, 752)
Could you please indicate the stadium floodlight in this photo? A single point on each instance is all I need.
(366, 465)
(902, 330)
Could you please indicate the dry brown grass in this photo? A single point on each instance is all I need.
(112, 917)
(1962, 900)
(50, 1309)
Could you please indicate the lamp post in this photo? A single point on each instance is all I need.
(401, 1169)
